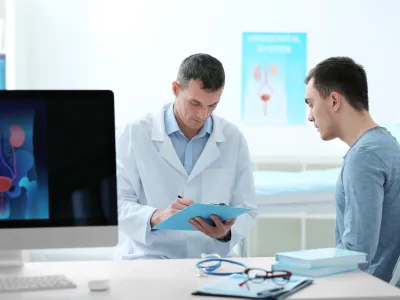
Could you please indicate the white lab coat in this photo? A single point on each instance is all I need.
(150, 175)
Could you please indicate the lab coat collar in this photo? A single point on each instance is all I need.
(208, 156)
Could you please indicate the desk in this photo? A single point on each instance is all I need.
(176, 279)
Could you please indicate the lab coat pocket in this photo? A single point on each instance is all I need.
(217, 186)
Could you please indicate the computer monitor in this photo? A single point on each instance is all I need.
(57, 171)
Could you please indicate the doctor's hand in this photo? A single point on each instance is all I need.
(221, 230)
(176, 206)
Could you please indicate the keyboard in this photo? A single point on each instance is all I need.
(34, 283)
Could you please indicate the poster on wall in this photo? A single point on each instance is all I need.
(274, 66)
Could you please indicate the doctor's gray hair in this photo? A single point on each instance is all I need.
(203, 67)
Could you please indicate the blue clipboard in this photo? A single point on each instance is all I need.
(180, 220)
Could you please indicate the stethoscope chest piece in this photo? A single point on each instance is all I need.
(200, 273)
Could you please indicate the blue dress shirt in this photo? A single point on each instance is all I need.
(187, 150)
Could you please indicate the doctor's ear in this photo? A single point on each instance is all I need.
(175, 88)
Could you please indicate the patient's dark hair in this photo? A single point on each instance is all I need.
(203, 67)
(342, 75)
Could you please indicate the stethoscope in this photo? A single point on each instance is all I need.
(210, 269)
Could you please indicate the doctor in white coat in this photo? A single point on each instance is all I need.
(179, 155)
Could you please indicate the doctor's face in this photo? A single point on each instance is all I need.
(194, 105)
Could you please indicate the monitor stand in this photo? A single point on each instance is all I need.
(11, 259)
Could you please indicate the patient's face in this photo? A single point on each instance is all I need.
(194, 105)
(321, 113)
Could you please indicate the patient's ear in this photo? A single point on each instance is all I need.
(336, 100)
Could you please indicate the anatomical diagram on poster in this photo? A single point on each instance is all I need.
(273, 72)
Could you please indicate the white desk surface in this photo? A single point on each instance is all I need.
(176, 279)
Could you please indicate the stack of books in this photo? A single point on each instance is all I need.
(319, 262)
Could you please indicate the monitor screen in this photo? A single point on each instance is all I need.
(57, 159)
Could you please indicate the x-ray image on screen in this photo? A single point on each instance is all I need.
(23, 182)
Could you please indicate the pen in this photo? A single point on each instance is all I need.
(267, 292)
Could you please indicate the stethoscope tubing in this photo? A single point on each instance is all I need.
(209, 270)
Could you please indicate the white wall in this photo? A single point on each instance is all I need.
(135, 47)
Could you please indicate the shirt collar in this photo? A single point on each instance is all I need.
(171, 125)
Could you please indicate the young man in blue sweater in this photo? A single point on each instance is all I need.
(368, 188)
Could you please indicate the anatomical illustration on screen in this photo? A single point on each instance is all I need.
(21, 197)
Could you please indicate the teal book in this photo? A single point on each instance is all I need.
(180, 220)
(320, 257)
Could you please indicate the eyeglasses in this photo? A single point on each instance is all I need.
(260, 275)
